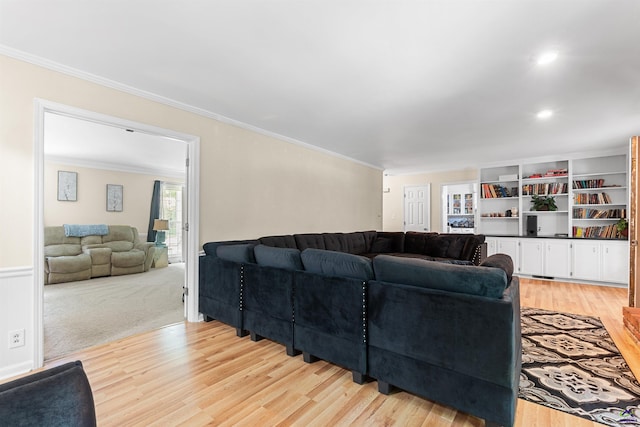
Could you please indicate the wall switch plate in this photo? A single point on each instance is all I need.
(16, 338)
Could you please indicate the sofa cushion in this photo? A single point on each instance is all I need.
(337, 264)
(306, 241)
(286, 241)
(133, 258)
(482, 281)
(242, 253)
(119, 246)
(287, 258)
(414, 242)
(69, 264)
(456, 245)
(436, 245)
(62, 250)
(388, 241)
(119, 232)
(91, 240)
(502, 261)
(55, 236)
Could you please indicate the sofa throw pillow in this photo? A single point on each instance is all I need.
(502, 261)
(287, 258)
(236, 253)
(466, 279)
(337, 264)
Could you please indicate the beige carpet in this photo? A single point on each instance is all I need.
(86, 313)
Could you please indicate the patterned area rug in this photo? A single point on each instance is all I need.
(570, 363)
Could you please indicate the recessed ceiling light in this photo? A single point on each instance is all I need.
(544, 114)
(547, 58)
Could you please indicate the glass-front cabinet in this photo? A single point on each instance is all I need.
(459, 202)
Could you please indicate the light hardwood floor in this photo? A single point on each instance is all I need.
(202, 374)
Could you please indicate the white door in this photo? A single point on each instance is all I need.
(417, 205)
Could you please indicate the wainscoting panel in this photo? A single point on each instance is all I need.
(16, 313)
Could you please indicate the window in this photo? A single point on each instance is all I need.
(171, 209)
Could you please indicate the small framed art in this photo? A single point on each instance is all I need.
(114, 198)
(67, 186)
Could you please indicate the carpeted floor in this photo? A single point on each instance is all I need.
(86, 313)
(570, 363)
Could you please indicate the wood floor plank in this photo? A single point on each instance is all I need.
(195, 374)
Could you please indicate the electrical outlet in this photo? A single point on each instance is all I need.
(16, 338)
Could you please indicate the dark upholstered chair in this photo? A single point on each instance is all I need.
(59, 396)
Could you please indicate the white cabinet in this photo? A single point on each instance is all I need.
(615, 262)
(545, 257)
(601, 261)
(532, 257)
(504, 245)
(557, 258)
(586, 260)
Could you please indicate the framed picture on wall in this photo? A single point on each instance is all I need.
(114, 198)
(67, 186)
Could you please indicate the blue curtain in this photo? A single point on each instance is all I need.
(154, 212)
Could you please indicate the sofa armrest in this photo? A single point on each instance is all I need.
(479, 254)
(56, 396)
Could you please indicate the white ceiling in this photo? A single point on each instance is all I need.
(402, 85)
(85, 143)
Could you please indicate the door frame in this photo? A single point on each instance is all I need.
(192, 187)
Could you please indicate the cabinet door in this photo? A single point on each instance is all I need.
(557, 259)
(531, 257)
(492, 246)
(615, 262)
(586, 260)
(510, 247)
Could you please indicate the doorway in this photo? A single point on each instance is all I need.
(43, 107)
(417, 208)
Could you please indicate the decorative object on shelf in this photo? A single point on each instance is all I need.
(160, 226)
(543, 203)
(114, 198)
(67, 186)
(623, 227)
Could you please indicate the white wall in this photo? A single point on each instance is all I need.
(251, 185)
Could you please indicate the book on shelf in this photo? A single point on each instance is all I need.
(544, 189)
(590, 213)
(591, 199)
(588, 183)
(494, 191)
(597, 232)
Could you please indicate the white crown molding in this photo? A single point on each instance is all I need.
(64, 69)
(170, 173)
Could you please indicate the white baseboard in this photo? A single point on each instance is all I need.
(17, 369)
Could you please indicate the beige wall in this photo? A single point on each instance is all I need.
(393, 200)
(91, 205)
(250, 184)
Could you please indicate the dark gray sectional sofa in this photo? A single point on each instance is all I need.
(425, 312)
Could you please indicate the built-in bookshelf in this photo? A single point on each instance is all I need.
(591, 195)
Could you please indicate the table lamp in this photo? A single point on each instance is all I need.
(159, 226)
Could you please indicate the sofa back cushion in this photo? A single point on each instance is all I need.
(352, 243)
(483, 281)
(119, 232)
(242, 253)
(472, 242)
(287, 258)
(387, 242)
(306, 241)
(91, 240)
(286, 241)
(337, 264)
(55, 236)
(119, 245)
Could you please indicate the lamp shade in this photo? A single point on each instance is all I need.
(160, 224)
